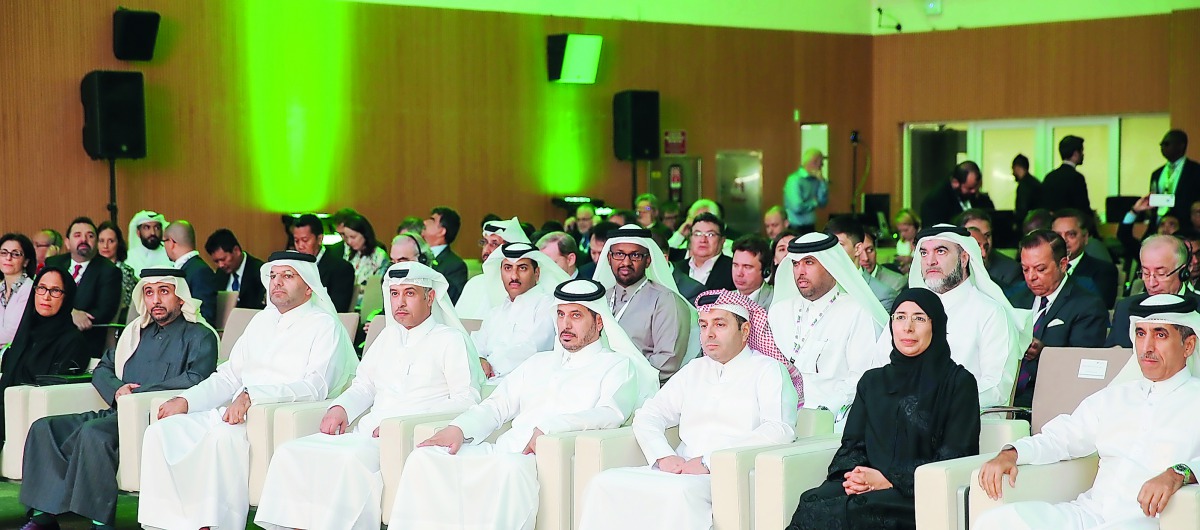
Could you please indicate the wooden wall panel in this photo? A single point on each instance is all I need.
(449, 107)
(1095, 67)
(1184, 76)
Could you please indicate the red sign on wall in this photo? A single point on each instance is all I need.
(674, 142)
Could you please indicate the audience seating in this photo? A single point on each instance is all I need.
(732, 469)
(943, 486)
(350, 322)
(781, 476)
(472, 324)
(226, 303)
(374, 328)
(372, 300)
(235, 325)
(26, 404)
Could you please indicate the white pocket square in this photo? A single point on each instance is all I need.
(1055, 322)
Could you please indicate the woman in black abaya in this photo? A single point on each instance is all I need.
(919, 408)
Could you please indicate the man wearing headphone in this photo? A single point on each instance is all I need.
(752, 262)
(1165, 262)
(409, 246)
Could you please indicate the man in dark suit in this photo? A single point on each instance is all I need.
(945, 203)
(237, 271)
(1065, 187)
(179, 239)
(1003, 270)
(706, 263)
(851, 236)
(1071, 225)
(1165, 262)
(1182, 180)
(1028, 190)
(441, 229)
(1065, 315)
(99, 281)
(337, 274)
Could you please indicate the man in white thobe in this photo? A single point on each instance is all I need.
(196, 460)
(643, 296)
(1143, 431)
(734, 396)
(987, 335)
(593, 379)
(522, 324)
(145, 235)
(826, 319)
(478, 296)
(422, 362)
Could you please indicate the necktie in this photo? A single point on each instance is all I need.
(1164, 185)
(236, 284)
(1041, 312)
(75, 274)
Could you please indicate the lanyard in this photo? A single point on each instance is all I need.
(630, 301)
(802, 334)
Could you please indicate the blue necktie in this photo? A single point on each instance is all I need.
(236, 284)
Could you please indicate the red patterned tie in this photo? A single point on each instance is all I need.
(75, 275)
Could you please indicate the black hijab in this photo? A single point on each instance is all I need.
(921, 374)
(43, 345)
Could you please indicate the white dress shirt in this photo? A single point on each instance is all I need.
(700, 273)
(516, 329)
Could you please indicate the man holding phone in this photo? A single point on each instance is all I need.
(1173, 187)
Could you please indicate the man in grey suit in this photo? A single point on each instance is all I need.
(870, 267)
(850, 235)
(70, 460)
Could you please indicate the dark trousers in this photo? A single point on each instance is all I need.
(71, 465)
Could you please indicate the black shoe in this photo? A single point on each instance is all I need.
(35, 526)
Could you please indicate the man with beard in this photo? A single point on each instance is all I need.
(522, 324)
(645, 300)
(99, 281)
(71, 460)
(987, 335)
(148, 225)
(944, 203)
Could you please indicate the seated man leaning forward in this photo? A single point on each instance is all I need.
(71, 460)
(1144, 432)
(593, 379)
(196, 461)
(734, 396)
(422, 362)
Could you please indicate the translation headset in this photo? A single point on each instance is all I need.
(423, 252)
(765, 262)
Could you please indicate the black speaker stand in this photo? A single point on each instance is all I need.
(633, 191)
(112, 191)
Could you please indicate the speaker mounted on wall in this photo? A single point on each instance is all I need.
(114, 115)
(573, 58)
(134, 34)
(635, 125)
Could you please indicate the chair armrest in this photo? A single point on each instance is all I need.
(812, 422)
(781, 475)
(395, 444)
(1183, 510)
(596, 451)
(16, 425)
(133, 417)
(940, 488)
(732, 483)
(995, 433)
(556, 477)
(426, 430)
(297, 420)
(260, 430)
(1057, 482)
(35, 403)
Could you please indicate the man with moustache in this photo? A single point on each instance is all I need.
(1142, 430)
(148, 225)
(522, 324)
(592, 378)
(99, 281)
(479, 295)
(71, 460)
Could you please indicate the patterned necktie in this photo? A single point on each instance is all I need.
(1037, 325)
(75, 275)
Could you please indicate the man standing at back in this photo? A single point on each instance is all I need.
(1065, 187)
(805, 191)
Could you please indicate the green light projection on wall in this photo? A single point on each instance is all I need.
(567, 146)
(297, 84)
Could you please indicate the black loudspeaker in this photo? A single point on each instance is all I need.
(114, 115)
(635, 125)
(134, 33)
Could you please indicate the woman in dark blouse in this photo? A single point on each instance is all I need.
(919, 408)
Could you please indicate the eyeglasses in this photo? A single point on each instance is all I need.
(920, 319)
(55, 292)
(14, 254)
(705, 235)
(618, 256)
(1159, 276)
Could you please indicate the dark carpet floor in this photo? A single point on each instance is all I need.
(12, 513)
